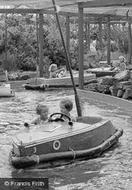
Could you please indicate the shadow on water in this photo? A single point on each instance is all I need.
(112, 170)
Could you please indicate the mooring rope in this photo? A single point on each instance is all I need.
(74, 153)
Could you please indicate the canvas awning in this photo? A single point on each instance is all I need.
(114, 8)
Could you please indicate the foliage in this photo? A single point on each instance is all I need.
(22, 41)
(118, 36)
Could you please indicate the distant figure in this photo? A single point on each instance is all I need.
(52, 70)
(122, 64)
(66, 105)
(55, 72)
(42, 111)
(93, 46)
(92, 59)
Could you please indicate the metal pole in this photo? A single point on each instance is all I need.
(81, 48)
(68, 61)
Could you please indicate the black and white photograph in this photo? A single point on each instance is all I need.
(66, 95)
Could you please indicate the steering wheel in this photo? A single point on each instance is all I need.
(59, 117)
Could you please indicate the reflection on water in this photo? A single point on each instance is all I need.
(111, 171)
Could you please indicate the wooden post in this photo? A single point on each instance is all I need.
(68, 33)
(88, 36)
(41, 43)
(87, 31)
(81, 51)
(129, 42)
(108, 41)
(37, 39)
(100, 34)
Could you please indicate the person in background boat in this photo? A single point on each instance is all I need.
(52, 70)
(55, 72)
(121, 65)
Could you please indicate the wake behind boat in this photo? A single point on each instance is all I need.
(61, 140)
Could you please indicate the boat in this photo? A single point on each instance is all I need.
(62, 141)
(6, 91)
(54, 83)
(102, 71)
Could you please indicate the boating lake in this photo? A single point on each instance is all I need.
(111, 171)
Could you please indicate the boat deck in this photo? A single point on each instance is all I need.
(53, 130)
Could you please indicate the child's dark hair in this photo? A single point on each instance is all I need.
(67, 104)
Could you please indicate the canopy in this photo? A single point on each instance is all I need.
(119, 8)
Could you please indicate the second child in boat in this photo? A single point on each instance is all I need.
(42, 111)
(66, 106)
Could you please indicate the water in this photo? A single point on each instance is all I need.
(111, 171)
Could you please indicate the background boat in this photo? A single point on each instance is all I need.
(51, 83)
(6, 91)
(104, 98)
(103, 71)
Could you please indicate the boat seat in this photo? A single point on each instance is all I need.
(89, 119)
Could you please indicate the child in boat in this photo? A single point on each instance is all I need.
(55, 72)
(52, 70)
(42, 111)
(121, 65)
(66, 106)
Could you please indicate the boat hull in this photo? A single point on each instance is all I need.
(104, 98)
(86, 144)
(34, 87)
(53, 83)
(6, 91)
(101, 72)
(71, 155)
